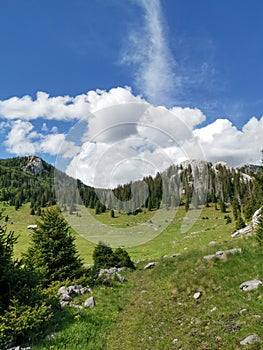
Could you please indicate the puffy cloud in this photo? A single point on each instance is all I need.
(64, 107)
(221, 140)
(56, 144)
(19, 139)
(124, 137)
(128, 141)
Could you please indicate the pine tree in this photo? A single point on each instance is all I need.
(52, 252)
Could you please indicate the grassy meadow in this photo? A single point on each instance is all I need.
(208, 225)
(155, 308)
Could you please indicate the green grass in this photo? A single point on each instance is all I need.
(169, 241)
(155, 306)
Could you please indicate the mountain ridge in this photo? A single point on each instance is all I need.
(191, 183)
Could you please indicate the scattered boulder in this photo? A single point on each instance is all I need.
(251, 339)
(212, 243)
(243, 311)
(175, 340)
(65, 297)
(106, 274)
(90, 302)
(67, 293)
(197, 295)
(175, 255)
(150, 265)
(242, 231)
(120, 277)
(223, 254)
(250, 285)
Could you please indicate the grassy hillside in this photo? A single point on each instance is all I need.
(209, 226)
(154, 307)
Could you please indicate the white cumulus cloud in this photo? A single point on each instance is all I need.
(119, 137)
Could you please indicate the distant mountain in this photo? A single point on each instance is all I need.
(191, 183)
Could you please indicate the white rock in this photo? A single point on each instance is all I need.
(62, 290)
(250, 285)
(150, 265)
(242, 311)
(242, 231)
(90, 302)
(120, 277)
(251, 339)
(66, 297)
(175, 340)
(197, 295)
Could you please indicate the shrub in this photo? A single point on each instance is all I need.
(122, 258)
(22, 321)
(104, 257)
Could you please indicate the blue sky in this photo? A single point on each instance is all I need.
(201, 60)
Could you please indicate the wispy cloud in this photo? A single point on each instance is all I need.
(148, 51)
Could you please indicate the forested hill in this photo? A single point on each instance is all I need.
(26, 179)
(192, 183)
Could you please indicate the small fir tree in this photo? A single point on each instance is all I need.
(53, 253)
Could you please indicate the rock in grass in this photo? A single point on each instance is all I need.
(150, 265)
(250, 285)
(251, 339)
(120, 277)
(197, 295)
(90, 302)
(223, 254)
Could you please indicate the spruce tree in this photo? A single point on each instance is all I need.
(52, 252)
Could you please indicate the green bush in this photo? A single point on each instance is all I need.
(104, 257)
(122, 258)
(19, 322)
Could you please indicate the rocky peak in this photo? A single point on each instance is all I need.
(34, 165)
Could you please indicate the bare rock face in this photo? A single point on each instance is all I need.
(34, 165)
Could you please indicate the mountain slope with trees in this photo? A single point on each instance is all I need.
(195, 183)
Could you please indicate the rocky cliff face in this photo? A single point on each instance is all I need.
(34, 165)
